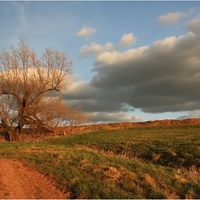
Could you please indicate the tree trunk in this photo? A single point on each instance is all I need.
(9, 136)
(12, 134)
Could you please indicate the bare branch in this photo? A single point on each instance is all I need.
(26, 83)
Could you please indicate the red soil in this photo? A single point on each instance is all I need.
(21, 182)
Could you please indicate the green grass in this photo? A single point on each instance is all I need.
(175, 147)
(146, 162)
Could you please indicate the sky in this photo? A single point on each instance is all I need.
(132, 60)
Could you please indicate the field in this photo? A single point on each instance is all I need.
(138, 162)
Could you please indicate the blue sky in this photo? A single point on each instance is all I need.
(132, 61)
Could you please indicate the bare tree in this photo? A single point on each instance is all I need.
(75, 117)
(68, 117)
(30, 89)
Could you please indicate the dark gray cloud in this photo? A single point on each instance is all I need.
(94, 99)
(158, 78)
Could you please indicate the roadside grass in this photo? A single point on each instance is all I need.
(118, 164)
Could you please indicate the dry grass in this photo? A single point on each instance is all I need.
(133, 163)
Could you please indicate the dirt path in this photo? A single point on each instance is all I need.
(21, 182)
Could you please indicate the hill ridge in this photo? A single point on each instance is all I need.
(124, 125)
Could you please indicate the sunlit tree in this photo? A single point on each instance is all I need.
(30, 88)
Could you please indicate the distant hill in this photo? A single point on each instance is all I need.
(115, 126)
(124, 125)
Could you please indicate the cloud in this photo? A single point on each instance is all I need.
(92, 99)
(127, 39)
(193, 26)
(98, 103)
(163, 77)
(105, 117)
(22, 15)
(17, 20)
(112, 58)
(172, 18)
(96, 49)
(191, 114)
(86, 32)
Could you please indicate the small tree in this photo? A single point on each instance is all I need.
(75, 117)
(66, 116)
(30, 89)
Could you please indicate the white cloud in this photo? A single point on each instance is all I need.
(128, 39)
(191, 114)
(167, 42)
(105, 117)
(20, 23)
(22, 16)
(172, 18)
(193, 25)
(96, 49)
(115, 57)
(86, 32)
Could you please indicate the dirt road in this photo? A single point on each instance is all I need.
(21, 182)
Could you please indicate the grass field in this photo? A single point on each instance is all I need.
(142, 162)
